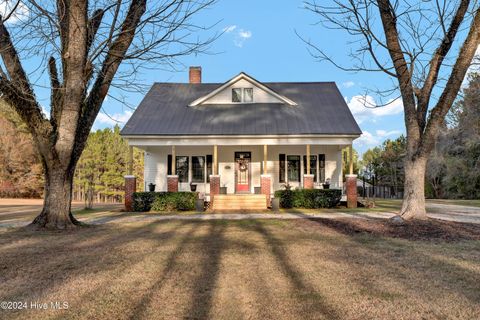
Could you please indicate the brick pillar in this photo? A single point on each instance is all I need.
(351, 190)
(308, 181)
(130, 188)
(214, 185)
(172, 183)
(266, 186)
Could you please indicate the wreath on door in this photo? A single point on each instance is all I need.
(242, 165)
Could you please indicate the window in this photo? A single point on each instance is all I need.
(242, 95)
(293, 168)
(209, 166)
(281, 167)
(321, 165)
(248, 95)
(198, 169)
(182, 168)
(237, 95)
(313, 166)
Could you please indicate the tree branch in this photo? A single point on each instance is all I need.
(437, 60)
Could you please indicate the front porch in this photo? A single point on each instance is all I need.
(238, 165)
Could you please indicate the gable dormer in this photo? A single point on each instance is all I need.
(242, 89)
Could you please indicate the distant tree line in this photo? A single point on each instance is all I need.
(453, 169)
(99, 176)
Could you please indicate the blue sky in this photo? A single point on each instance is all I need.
(260, 40)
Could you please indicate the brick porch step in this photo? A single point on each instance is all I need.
(239, 202)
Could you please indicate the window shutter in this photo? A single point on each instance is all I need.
(209, 166)
(281, 167)
(321, 166)
(169, 165)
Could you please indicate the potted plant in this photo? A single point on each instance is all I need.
(223, 189)
(326, 185)
(200, 202)
(151, 187)
(193, 187)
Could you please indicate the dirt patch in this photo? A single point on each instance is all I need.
(430, 229)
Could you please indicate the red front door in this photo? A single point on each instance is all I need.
(242, 172)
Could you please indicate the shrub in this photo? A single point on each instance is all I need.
(309, 198)
(142, 201)
(164, 201)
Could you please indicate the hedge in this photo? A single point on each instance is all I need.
(164, 201)
(309, 198)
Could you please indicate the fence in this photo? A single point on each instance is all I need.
(385, 192)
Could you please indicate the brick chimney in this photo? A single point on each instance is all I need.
(195, 75)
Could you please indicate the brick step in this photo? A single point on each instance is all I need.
(240, 202)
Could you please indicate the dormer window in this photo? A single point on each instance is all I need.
(242, 95)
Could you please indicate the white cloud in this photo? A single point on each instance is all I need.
(241, 36)
(229, 29)
(367, 139)
(364, 108)
(113, 119)
(384, 133)
(348, 84)
(21, 11)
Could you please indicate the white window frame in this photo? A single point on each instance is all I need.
(242, 95)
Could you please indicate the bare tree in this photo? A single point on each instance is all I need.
(86, 48)
(426, 47)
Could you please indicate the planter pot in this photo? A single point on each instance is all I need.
(275, 204)
(258, 190)
(151, 187)
(326, 186)
(199, 205)
(193, 187)
(223, 190)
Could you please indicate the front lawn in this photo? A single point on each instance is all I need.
(247, 269)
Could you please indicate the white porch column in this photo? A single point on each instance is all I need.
(215, 160)
(265, 158)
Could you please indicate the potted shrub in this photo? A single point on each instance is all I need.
(326, 185)
(193, 187)
(151, 187)
(223, 189)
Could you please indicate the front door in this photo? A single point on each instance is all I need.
(242, 172)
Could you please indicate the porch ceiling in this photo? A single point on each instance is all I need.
(239, 140)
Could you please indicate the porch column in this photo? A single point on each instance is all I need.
(215, 177)
(130, 182)
(172, 180)
(308, 177)
(351, 183)
(265, 157)
(265, 178)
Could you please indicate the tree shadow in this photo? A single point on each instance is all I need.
(365, 240)
(310, 300)
(204, 285)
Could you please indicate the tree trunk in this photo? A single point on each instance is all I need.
(413, 205)
(56, 212)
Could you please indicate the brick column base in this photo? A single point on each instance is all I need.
(172, 183)
(308, 181)
(266, 186)
(214, 185)
(351, 190)
(130, 188)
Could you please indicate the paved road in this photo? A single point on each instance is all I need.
(19, 212)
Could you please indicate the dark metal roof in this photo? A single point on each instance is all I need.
(321, 109)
